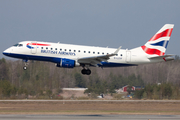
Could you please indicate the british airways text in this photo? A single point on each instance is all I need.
(56, 52)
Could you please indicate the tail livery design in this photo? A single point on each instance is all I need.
(158, 43)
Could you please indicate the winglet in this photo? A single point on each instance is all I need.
(117, 50)
(115, 53)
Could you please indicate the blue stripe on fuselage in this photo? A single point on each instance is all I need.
(33, 57)
(110, 64)
(30, 47)
(57, 60)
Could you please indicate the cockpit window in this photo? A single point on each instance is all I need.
(16, 45)
(20, 45)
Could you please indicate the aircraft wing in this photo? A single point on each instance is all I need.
(97, 59)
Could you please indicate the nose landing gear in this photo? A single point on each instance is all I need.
(25, 64)
(25, 67)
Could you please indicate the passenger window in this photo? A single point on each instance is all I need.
(46, 47)
(74, 50)
(55, 48)
(51, 48)
(93, 52)
(79, 51)
(41, 47)
(60, 49)
(121, 55)
(64, 49)
(84, 51)
(69, 50)
(98, 52)
(89, 52)
(103, 53)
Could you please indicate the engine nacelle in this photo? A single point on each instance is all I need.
(67, 63)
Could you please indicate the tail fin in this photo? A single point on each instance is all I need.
(158, 43)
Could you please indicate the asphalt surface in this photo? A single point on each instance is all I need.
(90, 117)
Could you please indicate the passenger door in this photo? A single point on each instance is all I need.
(34, 47)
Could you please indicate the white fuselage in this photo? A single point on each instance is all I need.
(53, 51)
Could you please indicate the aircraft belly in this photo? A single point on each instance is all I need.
(112, 64)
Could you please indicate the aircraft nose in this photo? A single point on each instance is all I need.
(6, 52)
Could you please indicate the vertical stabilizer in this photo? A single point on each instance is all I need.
(158, 43)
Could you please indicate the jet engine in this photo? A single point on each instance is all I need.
(67, 63)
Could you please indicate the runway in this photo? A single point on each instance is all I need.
(90, 117)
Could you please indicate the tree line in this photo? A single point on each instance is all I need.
(158, 91)
(43, 79)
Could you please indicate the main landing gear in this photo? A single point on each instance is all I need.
(86, 71)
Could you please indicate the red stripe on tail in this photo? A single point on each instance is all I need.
(166, 33)
(151, 51)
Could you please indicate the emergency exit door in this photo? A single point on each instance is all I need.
(128, 56)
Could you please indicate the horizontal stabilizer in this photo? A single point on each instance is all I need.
(168, 58)
(165, 57)
(160, 57)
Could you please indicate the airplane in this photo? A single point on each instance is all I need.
(70, 56)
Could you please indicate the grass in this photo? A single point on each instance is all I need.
(89, 107)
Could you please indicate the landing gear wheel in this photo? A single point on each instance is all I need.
(25, 68)
(86, 72)
(83, 71)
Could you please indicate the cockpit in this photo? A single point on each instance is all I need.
(15, 49)
(18, 45)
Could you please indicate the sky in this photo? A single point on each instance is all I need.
(112, 23)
